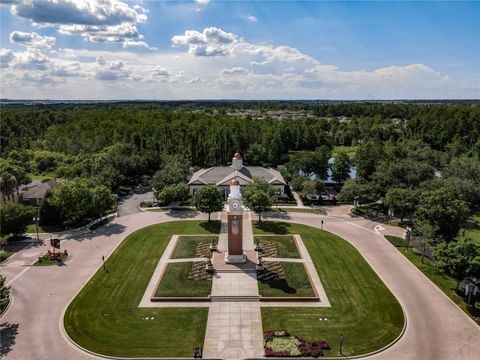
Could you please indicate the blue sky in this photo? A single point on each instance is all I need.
(235, 49)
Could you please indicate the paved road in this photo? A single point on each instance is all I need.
(436, 329)
(30, 328)
(131, 204)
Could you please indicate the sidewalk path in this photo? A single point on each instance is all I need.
(298, 199)
(234, 329)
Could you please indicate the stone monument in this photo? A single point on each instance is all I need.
(235, 254)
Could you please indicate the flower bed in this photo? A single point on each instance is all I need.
(280, 343)
(50, 259)
(198, 272)
(203, 250)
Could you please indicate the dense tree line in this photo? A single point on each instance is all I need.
(421, 160)
(206, 138)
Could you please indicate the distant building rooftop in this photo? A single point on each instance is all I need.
(38, 192)
(223, 175)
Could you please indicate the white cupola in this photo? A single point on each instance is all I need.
(237, 162)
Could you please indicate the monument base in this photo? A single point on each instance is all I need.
(235, 259)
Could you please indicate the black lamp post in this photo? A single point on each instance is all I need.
(341, 339)
(37, 219)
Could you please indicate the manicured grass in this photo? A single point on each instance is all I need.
(187, 245)
(286, 247)
(304, 210)
(42, 178)
(297, 283)
(175, 282)
(349, 150)
(444, 282)
(362, 308)
(4, 255)
(105, 317)
(46, 260)
(31, 228)
(473, 233)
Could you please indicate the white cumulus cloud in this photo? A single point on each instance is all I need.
(6, 57)
(32, 39)
(32, 59)
(113, 70)
(109, 21)
(211, 42)
(200, 4)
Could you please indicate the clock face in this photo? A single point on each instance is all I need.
(235, 205)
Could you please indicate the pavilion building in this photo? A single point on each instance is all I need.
(222, 176)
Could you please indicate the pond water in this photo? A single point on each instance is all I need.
(353, 172)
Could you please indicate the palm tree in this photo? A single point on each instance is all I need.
(8, 184)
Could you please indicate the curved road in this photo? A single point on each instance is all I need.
(436, 328)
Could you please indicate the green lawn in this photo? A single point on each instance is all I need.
(31, 228)
(363, 309)
(285, 244)
(4, 255)
(473, 233)
(349, 150)
(105, 318)
(297, 283)
(175, 282)
(41, 178)
(187, 245)
(444, 282)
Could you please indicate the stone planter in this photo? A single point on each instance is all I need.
(209, 267)
(259, 265)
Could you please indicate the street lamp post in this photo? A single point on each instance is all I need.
(408, 235)
(104, 265)
(341, 339)
(37, 219)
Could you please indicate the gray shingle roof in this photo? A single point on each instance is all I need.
(223, 174)
(39, 191)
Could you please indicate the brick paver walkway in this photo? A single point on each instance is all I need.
(234, 328)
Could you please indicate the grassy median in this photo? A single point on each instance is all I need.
(296, 282)
(187, 245)
(285, 245)
(105, 317)
(175, 282)
(362, 308)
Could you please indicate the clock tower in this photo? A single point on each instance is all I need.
(235, 252)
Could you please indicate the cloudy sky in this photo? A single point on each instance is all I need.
(208, 49)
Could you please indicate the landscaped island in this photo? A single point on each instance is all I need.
(105, 318)
(363, 310)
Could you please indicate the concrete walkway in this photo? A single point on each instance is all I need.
(298, 199)
(234, 329)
